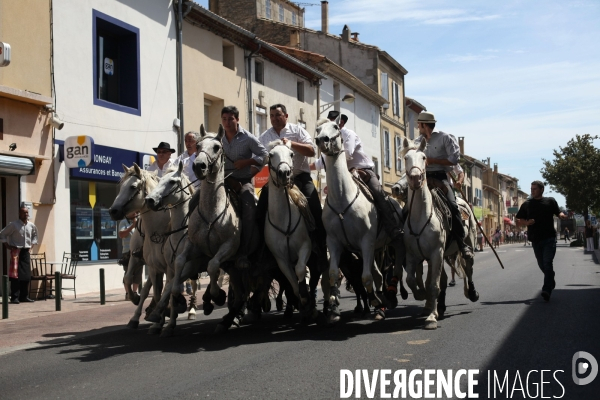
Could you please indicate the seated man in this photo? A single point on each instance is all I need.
(358, 159)
(443, 153)
(303, 147)
(244, 158)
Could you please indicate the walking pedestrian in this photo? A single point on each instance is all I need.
(20, 235)
(480, 239)
(567, 235)
(537, 214)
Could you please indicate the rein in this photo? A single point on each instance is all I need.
(341, 214)
(410, 230)
(211, 224)
(289, 231)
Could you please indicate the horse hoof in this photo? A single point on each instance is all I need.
(266, 306)
(474, 296)
(154, 317)
(133, 324)
(191, 316)
(180, 304)
(135, 299)
(333, 319)
(430, 325)
(154, 330)
(403, 293)
(167, 332)
(358, 310)
(279, 304)
(220, 298)
(289, 312)
(207, 308)
(379, 314)
(391, 298)
(420, 295)
(251, 317)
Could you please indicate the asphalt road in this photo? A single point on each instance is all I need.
(511, 332)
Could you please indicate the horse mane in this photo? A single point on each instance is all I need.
(149, 179)
(298, 198)
(274, 143)
(322, 121)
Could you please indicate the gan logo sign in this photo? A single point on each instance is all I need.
(79, 151)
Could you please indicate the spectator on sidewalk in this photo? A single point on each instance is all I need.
(589, 236)
(537, 214)
(20, 234)
(567, 235)
(480, 239)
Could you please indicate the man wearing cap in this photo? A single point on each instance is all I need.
(244, 158)
(356, 158)
(303, 147)
(163, 159)
(443, 153)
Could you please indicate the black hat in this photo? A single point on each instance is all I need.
(163, 146)
(333, 115)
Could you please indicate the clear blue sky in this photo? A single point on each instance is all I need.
(517, 79)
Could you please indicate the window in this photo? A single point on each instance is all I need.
(293, 18)
(228, 56)
(386, 149)
(268, 9)
(116, 58)
(281, 12)
(398, 158)
(384, 86)
(300, 91)
(261, 120)
(93, 232)
(396, 98)
(259, 72)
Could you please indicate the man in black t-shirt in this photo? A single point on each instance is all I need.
(537, 213)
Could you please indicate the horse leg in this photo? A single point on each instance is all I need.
(441, 306)
(236, 283)
(436, 265)
(378, 282)
(306, 299)
(192, 305)
(470, 291)
(218, 295)
(134, 322)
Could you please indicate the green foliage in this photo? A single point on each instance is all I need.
(575, 173)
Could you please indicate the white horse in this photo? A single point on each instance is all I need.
(427, 233)
(286, 231)
(174, 192)
(214, 232)
(133, 188)
(351, 220)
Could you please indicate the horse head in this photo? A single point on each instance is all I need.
(400, 189)
(210, 153)
(416, 160)
(280, 163)
(329, 137)
(171, 189)
(131, 192)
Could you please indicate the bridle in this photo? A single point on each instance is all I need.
(271, 169)
(412, 198)
(213, 160)
(335, 155)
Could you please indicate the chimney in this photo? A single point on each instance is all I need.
(495, 168)
(355, 36)
(325, 16)
(213, 6)
(461, 144)
(295, 39)
(346, 33)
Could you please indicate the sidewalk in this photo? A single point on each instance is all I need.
(35, 324)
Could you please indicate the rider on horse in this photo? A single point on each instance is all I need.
(358, 160)
(244, 158)
(443, 153)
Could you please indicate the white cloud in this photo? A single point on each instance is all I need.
(471, 57)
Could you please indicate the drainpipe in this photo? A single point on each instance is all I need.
(249, 86)
(180, 16)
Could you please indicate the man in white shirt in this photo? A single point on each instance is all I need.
(163, 159)
(358, 159)
(303, 147)
(20, 234)
(188, 157)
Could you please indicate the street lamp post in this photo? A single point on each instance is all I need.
(348, 98)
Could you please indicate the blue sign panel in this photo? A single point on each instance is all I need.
(107, 164)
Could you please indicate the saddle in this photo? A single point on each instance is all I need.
(362, 179)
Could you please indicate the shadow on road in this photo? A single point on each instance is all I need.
(546, 338)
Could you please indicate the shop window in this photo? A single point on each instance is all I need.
(116, 57)
(259, 76)
(93, 233)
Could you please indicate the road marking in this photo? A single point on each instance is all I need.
(424, 341)
(519, 250)
(401, 360)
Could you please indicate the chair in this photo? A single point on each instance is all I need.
(40, 272)
(68, 269)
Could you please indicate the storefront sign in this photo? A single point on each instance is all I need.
(108, 164)
(78, 151)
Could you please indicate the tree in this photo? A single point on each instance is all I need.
(575, 174)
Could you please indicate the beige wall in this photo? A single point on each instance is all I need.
(205, 77)
(25, 25)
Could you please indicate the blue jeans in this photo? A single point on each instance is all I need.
(544, 251)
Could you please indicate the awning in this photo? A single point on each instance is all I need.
(16, 165)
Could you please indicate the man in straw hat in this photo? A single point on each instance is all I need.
(443, 153)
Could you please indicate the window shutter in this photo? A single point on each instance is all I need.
(384, 86)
